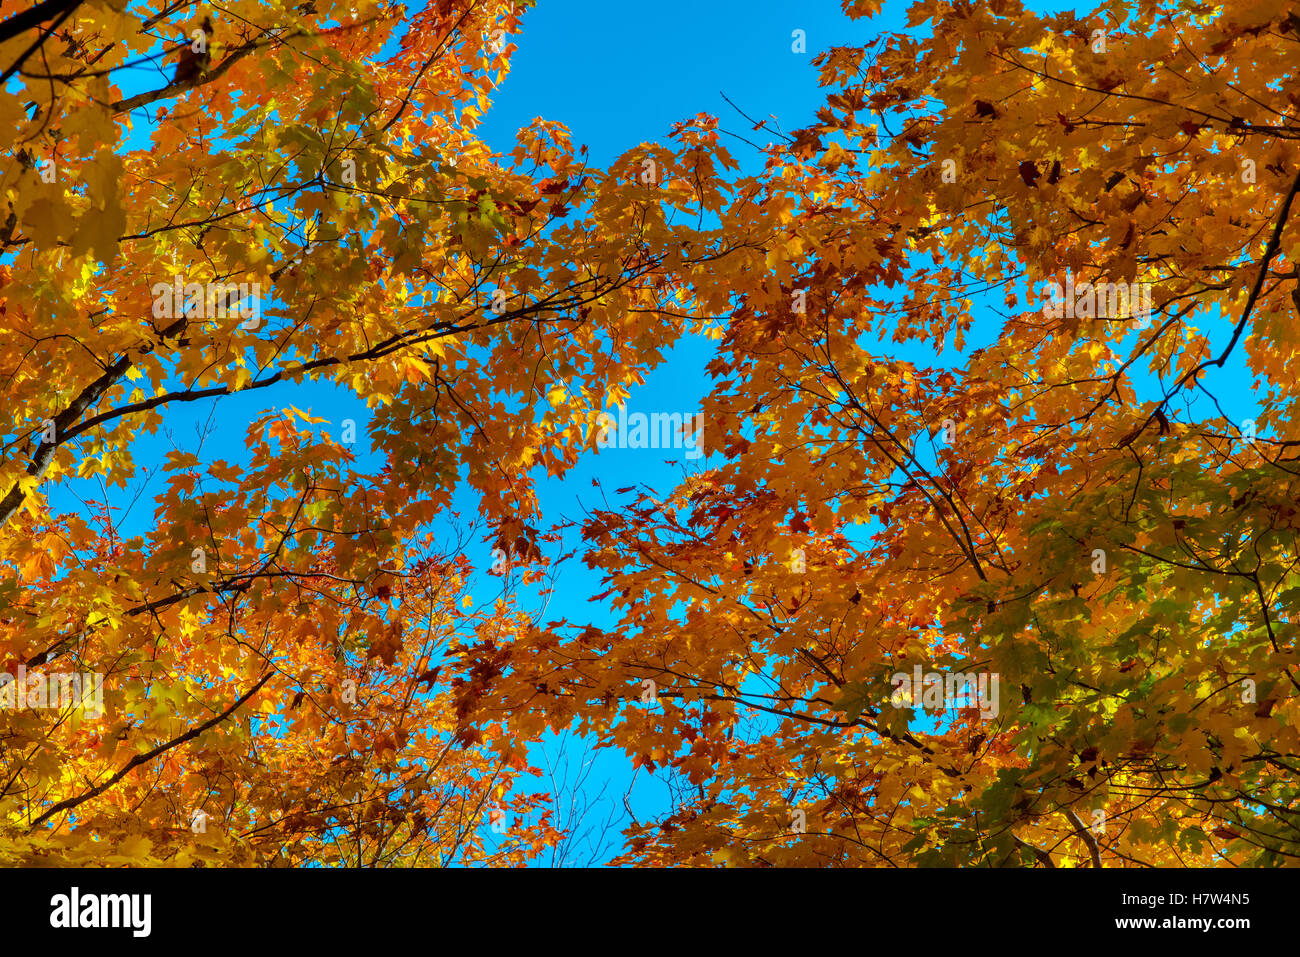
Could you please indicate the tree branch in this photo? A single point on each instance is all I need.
(140, 759)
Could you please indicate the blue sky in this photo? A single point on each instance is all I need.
(617, 74)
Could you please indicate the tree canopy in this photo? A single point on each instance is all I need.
(1093, 213)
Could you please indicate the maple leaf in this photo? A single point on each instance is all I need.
(388, 644)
